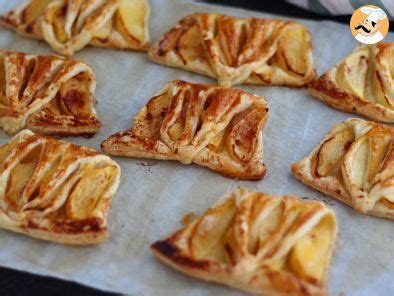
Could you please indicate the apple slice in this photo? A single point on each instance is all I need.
(35, 9)
(61, 34)
(243, 138)
(176, 130)
(216, 143)
(331, 152)
(211, 230)
(189, 46)
(356, 165)
(105, 31)
(310, 254)
(71, 99)
(88, 191)
(55, 18)
(131, 19)
(291, 50)
(352, 72)
(19, 178)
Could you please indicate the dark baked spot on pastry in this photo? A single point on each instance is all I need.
(169, 250)
(91, 224)
(29, 28)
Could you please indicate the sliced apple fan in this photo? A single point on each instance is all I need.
(55, 191)
(355, 164)
(362, 83)
(70, 25)
(263, 244)
(239, 50)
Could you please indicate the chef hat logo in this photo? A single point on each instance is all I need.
(369, 24)
(374, 14)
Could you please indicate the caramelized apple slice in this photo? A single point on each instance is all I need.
(19, 178)
(71, 97)
(5, 151)
(309, 255)
(242, 140)
(88, 191)
(54, 16)
(35, 9)
(189, 45)
(176, 130)
(331, 152)
(131, 19)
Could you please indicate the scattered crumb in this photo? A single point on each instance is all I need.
(328, 202)
(147, 163)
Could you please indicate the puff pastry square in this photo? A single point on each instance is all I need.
(54, 190)
(355, 164)
(263, 244)
(70, 25)
(217, 127)
(47, 94)
(362, 83)
(239, 50)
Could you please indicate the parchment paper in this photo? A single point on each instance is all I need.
(151, 201)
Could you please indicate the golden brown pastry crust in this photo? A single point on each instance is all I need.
(212, 126)
(257, 243)
(362, 83)
(70, 25)
(236, 50)
(47, 94)
(355, 164)
(55, 191)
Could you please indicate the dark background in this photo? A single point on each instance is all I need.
(20, 283)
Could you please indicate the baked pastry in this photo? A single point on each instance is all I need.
(70, 25)
(54, 190)
(217, 127)
(355, 164)
(362, 83)
(236, 50)
(47, 94)
(269, 245)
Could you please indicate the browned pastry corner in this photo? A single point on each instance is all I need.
(354, 164)
(362, 83)
(239, 50)
(46, 94)
(212, 126)
(70, 25)
(54, 190)
(252, 241)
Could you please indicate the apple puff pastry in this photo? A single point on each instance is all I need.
(263, 244)
(362, 83)
(70, 25)
(217, 127)
(54, 190)
(47, 94)
(236, 50)
(355, 164)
